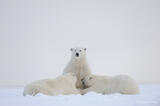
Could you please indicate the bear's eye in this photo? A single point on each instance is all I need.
(74, 50)
(80, 50)
(90, 78)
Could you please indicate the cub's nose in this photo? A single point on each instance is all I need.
(77, 54)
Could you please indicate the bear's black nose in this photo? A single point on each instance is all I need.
(77, 54)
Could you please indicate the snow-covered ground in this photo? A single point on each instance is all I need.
(149, 96)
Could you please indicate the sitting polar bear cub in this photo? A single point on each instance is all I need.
(64, 84)
(104, 84)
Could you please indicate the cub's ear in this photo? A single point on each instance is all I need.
(85, 49)
(71, 49)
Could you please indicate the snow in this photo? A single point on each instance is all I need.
(149, 96)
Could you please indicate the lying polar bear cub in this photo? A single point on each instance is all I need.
(104, 84)
(64, 84)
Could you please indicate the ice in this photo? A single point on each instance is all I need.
(149, 96)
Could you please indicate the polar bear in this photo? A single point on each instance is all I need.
(64, 84)
(78, 65)
(106, 84)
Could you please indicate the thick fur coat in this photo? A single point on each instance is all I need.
(78, 65)
(106, 84)
(64, 84)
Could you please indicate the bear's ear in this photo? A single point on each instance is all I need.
(71, 49)
(85, 49)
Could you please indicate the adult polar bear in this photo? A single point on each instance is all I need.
(78, 65)
(106, 84)
(64, 84)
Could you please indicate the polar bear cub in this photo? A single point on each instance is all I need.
(64, 84)
(106, 85)
(78, 65)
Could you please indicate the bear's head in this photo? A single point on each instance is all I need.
(89, 80)
(78, 52)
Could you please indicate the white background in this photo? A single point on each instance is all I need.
(121, 37)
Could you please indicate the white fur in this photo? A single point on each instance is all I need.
(104, 84)
(78, 65)
(64, 84)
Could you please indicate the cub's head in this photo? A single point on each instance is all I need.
(89, 80)
(78, 52)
